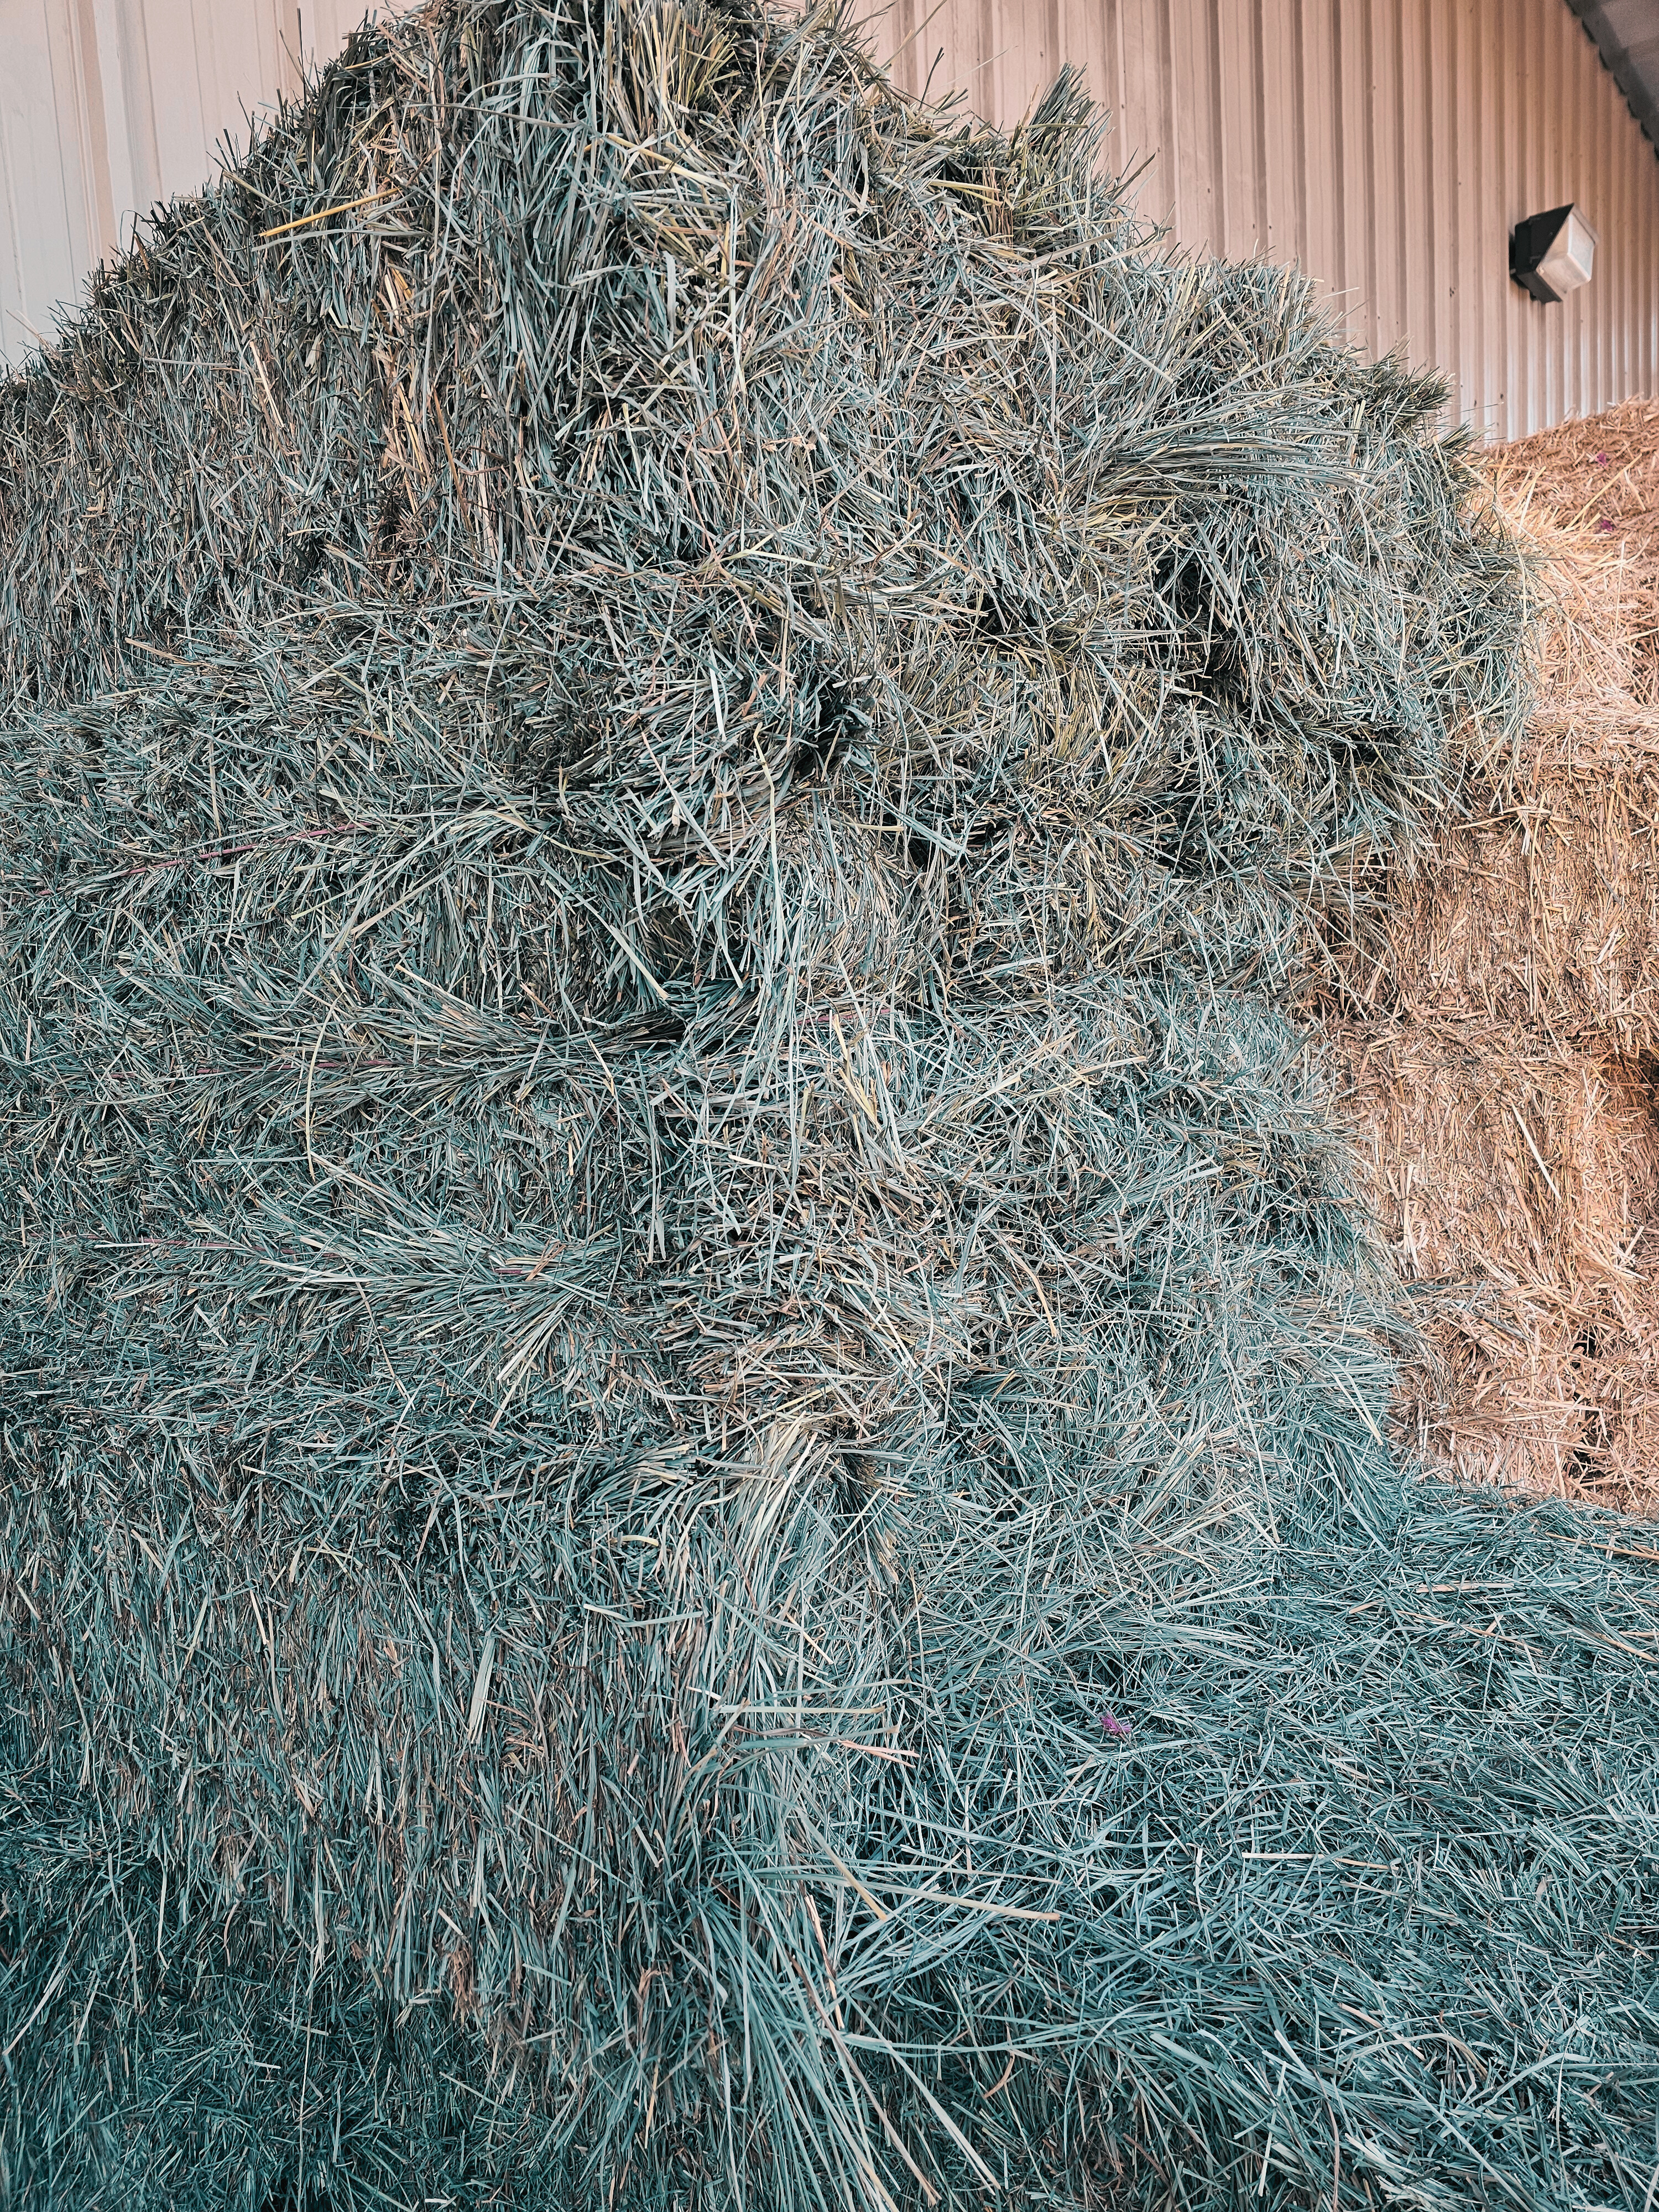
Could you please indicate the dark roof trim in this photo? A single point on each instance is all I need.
(1626, 33)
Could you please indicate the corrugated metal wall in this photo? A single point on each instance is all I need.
(1387, 145)
(107, 106)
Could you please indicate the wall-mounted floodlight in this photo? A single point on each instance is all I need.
(1552, 254)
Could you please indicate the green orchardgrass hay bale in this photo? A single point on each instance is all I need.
(692, 1404)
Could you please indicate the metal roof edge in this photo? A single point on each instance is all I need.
(1637, 78)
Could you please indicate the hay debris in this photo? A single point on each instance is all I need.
(1596, 478)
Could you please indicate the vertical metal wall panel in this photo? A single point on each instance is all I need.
(108, 105)
(1569, 126)
(1419, 250)
(1281, 122)
(1544, 401)
(1385, 146)
(1480, 216)
(1507, 142)
(1438, 339)
(1385, 276)
(322, 28)
(177, 64)
(49, 205)
(1322, 249)
(1349, 92)
(1236, 49)
(134, 153)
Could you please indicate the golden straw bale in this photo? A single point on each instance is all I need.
(1598, 476)
(1522, 1194)
(1496, 1030)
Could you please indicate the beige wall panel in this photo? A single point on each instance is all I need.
(1419, 246)
(183, 59)
(49, 229)
(1387, 146)
(1438, 334)
(1321, 249)
(1505, 142)
(1544, 399)
(1237, 59)
(1352, 128)
(1569, 127)
(1483, 229)
(324, 26)
(1149, 109)
(1281, 125)
(131, 137)
(1383, 277)
(108, 105)
(1198, 218)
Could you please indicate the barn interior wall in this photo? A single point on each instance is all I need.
(108, 105)
(1387, 146)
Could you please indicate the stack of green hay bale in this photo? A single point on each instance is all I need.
(694, 1414)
